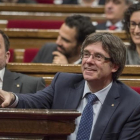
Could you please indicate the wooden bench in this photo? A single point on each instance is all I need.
(28, 38)
(120, 34)
(35, 38)
(130, 74)
(6, 17)
(47, 12)
(51, 8)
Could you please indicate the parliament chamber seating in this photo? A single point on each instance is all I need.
(11, 59)
(22, 39)
(137, 89)
(130, 75)
(51, 8)
(45, 1)
(34, 24)
(29, 54)
(47, 12)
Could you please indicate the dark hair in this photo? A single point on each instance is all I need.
(82, 24)
(126, 1)
(6, 40)
(133, 8)
(113, 45)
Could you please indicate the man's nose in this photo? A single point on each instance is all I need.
(109, 5)
(90, 59)
(59, 41)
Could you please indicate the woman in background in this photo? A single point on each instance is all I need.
(132, 27)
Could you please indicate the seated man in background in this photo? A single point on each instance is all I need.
(110, 109)
(85, 2)
(67, 48)
(12, 81)
(114, 12)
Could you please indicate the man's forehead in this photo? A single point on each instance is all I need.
(94, 44)
(114, 1)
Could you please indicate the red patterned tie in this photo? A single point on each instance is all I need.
(112, 27)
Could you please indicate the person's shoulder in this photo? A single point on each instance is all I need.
(127, 92)
(49, 46)
(101, 26)
(28, 78)
(69, 76)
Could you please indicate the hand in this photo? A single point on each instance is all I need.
(6, 98)
(59, 58)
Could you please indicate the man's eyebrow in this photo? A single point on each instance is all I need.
(86, 51)
(66, 39)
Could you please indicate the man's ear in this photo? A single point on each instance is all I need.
(7, 55)
(115, 67)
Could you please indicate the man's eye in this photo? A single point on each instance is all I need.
(98, 56)
(86, 54)
(133, 23)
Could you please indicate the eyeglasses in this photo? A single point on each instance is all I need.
(96, 56)
(132, 25)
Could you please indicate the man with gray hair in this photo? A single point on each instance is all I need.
(114, 12)
(110, 109)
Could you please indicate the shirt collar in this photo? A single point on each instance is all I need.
(2, 71)
(77, 62)
(94, 3)
(117, 24)
(101, 94)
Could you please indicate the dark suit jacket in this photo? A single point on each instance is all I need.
(101, 2)
(101, 26)
(20, 83)
(45, 53)
(118, 122)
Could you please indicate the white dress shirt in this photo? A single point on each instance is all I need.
(101, 95)
(119, 25)
(94, 3)
(1, 77)
(78, 61)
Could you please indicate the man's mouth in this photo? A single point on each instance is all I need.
(90, 69)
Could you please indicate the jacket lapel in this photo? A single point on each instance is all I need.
(11, 82)
(75, 95)
(109, 106)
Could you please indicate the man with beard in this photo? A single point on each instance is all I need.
(67, 48)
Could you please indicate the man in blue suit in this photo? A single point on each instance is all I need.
(116, 110)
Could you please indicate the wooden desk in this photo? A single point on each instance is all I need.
(36, 124)
(46, 16)
(130, 74)
(51, 8)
